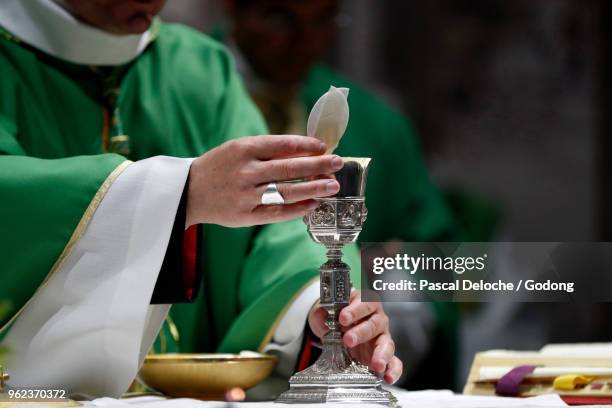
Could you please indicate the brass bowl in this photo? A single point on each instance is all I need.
(204, 376)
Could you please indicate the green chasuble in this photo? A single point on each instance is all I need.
(180, 97)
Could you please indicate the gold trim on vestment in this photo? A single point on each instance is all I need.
(268, 337)
(76, 235)
(174, 332)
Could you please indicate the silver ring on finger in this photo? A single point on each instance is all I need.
(271, 196)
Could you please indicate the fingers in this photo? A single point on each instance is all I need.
(235, 395)
(282, 146)
(300, 191)
(298, 168)
(394, 370)
(370, 328)
(265, 214)
(357, 310)
(383, 353)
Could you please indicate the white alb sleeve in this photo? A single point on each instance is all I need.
(89, 327)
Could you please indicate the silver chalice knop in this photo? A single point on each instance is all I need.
(335, 376)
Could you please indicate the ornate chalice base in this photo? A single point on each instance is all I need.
(335, 377)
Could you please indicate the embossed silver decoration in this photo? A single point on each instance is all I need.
(335, 376)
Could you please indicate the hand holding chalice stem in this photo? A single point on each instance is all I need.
(366, 334)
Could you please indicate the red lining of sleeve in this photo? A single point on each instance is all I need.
(306, 353)
(190, 240)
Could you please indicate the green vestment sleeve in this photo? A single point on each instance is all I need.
(43, 201)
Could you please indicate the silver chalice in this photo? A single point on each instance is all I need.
(335, 376)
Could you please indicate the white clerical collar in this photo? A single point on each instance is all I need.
(46, 25)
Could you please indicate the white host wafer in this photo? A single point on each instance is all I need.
(329, 117)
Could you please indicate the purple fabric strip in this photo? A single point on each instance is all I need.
(509, 384)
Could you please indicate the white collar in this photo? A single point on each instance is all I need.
(46, 25)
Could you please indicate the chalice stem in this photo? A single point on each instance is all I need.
(335, 296)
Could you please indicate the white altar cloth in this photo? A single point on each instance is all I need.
(420, 399)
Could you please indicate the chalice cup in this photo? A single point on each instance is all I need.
(335, 376)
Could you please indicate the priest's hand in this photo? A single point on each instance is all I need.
(366, 334)
(226, 183)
